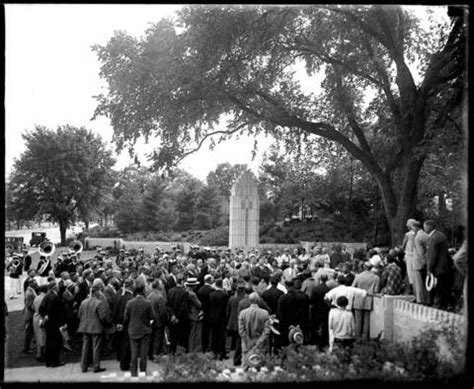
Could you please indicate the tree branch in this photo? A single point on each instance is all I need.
(201, 142)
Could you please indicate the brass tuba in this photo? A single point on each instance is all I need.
(46, 248)
(76, 247)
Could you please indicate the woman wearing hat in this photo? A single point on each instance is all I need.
(409, 247)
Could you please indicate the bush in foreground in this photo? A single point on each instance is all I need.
(426, 358)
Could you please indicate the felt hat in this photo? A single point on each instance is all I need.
(256, 358)
(295, 335)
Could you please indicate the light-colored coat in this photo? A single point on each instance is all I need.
(94, 316)
(368, 281)
(29, 309)
(254, 327)
(421, 247)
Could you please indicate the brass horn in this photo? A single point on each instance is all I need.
(76, 247)
(46, 248)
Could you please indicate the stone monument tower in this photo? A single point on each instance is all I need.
(244, 214)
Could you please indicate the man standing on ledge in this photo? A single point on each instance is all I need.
(440, 264)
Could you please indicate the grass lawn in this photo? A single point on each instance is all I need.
(14, 345)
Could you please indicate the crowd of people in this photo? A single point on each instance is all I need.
(137, 306)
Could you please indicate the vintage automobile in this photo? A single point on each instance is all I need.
(14, 243)
(37, 238)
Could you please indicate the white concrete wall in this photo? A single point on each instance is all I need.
(400, 320)
(148, 247)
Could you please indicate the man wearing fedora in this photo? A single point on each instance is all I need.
(194, 315)
(254, 329)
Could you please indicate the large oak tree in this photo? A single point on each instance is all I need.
(384, 79)
(60, 172)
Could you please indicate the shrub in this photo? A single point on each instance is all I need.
(371, 359)
(216, 237)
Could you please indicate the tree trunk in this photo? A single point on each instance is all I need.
(398, 209)
(349, 199)
(86, 223)
(62, 231)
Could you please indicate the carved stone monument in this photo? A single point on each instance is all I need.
(244, 214)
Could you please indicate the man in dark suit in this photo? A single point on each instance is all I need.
(84, 286)
(233, 323)
(138, 319)
(319, 313)
(178, 307)
(440, 264)
(95, 318)
(124, 353)
(111, 293)
(217, 319)
(53, 311)
(272, 295)
(293, 309)
(203, 295)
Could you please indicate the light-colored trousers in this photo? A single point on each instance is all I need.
(362, 323)
(419, 288)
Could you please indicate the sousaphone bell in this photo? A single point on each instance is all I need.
(46, 248)
(76, 247)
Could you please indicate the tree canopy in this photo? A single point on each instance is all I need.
(390, 86)
(60, 172)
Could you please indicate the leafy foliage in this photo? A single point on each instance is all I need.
(238, 64)
(60, 173)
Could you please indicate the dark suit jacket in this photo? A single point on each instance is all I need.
(119, 313)
(54, 307)
(217, 306)
(439, 260)
(138, 315)
(177, 301)
(203, 295)
(293, 309)
(233, 312)
(83, 289)
(271, 296)
(319, 307)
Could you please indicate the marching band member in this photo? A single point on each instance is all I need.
(16, 269)
(43, 269)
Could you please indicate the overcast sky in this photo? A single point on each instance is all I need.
(52, 75)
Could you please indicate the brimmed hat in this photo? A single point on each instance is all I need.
(413, 223)
(191, 281)
(295, 335)
(256, 358)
